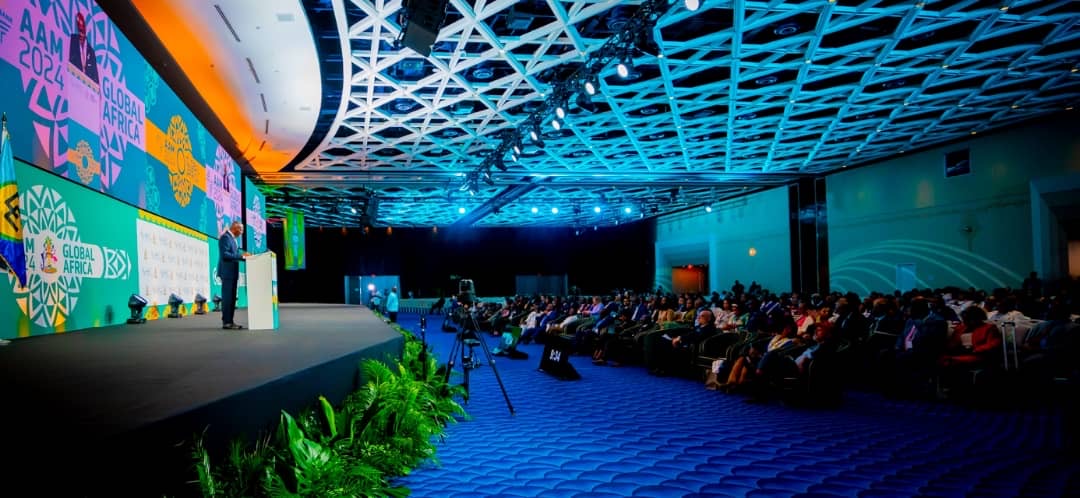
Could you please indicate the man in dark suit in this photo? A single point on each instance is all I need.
(80, 53)
(918, 347)
(229, 271)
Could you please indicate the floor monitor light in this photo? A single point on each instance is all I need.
(174, 305)
(136, 303)
(200, 304)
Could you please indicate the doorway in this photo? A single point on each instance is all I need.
(690, 279)
(1055, 225)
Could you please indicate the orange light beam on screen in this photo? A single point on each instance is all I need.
(188, 45)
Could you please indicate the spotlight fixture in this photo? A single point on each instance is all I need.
(555, 123)
(597, 209)
(534, 134)
(554, 210)
(217, 303)
(590, 85)
(534, 210)
(174, 305)
(200, 304)
(487, 178)
(136, 303)
(623, 69)
(461, 210)
(560, 112)
(708, 209)
(693, 5)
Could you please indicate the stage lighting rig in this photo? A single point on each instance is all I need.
(636, 35)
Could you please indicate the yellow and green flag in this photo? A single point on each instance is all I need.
(12, 251)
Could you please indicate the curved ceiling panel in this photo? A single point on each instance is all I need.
(254, 62)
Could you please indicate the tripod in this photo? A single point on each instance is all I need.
(470, 327)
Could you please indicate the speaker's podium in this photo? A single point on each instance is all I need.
(262, 291)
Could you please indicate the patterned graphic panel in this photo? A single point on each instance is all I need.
(93, 111)
(172, 260)
(79, 267)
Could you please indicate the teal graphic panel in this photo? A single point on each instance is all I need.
(80, 252)
(255, 205)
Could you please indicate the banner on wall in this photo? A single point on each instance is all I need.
(172, 260)
(88, 107)
(79, 269)
(254, 204)
(294, 240)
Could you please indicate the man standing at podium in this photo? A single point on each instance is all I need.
(228, 270)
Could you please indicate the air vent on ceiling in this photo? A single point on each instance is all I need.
(285, 17)
(226, 21)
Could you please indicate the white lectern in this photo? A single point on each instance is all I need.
(262, 291)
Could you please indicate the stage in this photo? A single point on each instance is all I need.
(135, 391)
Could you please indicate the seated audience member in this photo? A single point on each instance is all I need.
(920, 343)
(975, 342)
(603, 351)
(531, 325)
(805, 318)
(746, 366)
(849, 324)
(823, 347)
(1049, 348)
(670, 351)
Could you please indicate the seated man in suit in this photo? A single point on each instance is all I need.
(229, 271)
(920, 344)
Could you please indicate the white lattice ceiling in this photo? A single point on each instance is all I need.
(748, 94)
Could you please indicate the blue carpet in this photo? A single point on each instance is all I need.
(620, 432)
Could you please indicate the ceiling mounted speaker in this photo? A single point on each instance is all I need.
(425, 18)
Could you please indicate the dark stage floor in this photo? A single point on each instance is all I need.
(164, 380)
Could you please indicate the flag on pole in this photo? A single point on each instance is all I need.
(12, 250)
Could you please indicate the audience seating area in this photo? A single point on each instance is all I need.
(949, 344)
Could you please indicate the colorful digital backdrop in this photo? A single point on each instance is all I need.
(122, 189)
(83, 103)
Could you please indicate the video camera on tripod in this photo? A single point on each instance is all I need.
(468, 339)
(466, 292)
